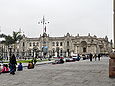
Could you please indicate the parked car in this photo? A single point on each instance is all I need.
(76, 58)
(84, 57)
(68, 59)
(58, 61)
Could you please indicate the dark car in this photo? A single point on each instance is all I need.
(58, 61)
(76, 58)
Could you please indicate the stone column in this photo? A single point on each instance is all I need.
(75, 49)
(112, 55)
(114, 21)
(56, 54)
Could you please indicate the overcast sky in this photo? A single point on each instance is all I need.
(73, 16)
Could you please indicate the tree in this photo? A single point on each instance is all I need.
(8, 39)
(11, 39)
(16, 37)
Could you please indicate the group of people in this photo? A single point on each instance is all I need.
(11, 68)
(95, 57)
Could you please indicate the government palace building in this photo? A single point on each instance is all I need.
(67, 45)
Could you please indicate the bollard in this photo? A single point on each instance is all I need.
(112, 65)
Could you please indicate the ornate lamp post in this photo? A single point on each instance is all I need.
(35, 51)
(10, 51)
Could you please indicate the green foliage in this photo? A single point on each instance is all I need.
(27, 61)
(11, 39)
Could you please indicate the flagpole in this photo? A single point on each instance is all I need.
(43, 22)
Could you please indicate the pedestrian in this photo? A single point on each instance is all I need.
(12, 64)
(20, 67)
(99, 57)
(95, 56)
(90, 56)
(78, 57)
(34, 60)
(0, 69)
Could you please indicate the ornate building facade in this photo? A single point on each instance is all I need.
(62, 46)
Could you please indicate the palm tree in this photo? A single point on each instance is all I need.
(9, 40)
(16, 37)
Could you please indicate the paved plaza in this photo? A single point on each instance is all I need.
(82, 73)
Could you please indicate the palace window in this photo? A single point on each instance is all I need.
(67, 43)
(23, 44)
(33, 43)
(61, 44)
(53, 43)
(37, 44)
(53, 51)
(84, 49)
(61, 52)
(30, 44)
(57, 43)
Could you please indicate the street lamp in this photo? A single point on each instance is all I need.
(10, 51)
(35, 50)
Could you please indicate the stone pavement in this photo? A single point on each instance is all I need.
(82, 73)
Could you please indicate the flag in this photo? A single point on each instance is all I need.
(45, 29)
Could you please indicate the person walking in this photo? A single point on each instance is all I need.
(90, 56)
(12, 64)
(34, 60)
(99, 57)
(0, 69)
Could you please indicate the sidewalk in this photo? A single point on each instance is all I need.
(38, 63)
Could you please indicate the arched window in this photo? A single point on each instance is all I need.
(53, 50)
(37, 44)
(84, 49)
(23, 44)
(53, 43)
(61, 44)
(67, 43)
(30, 44)
(33, 43)
(57, 43)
